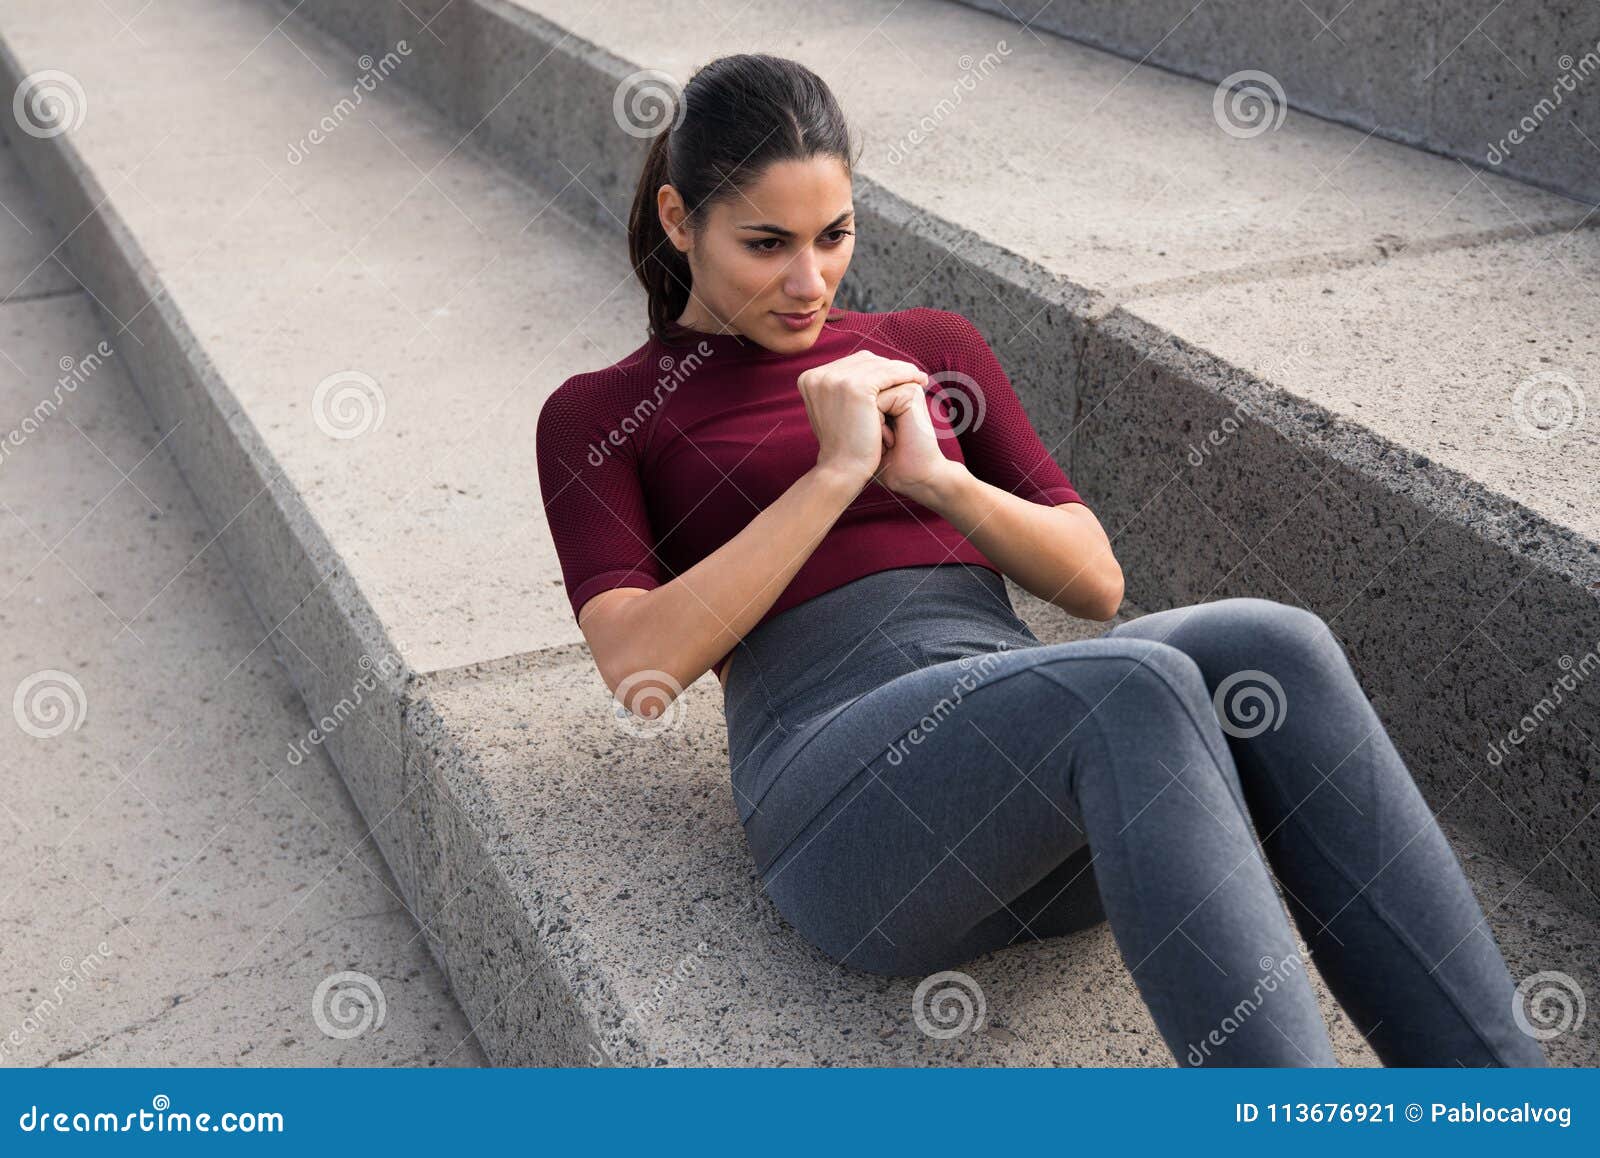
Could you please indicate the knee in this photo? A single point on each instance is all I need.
(1290, 649)
(1275, 625)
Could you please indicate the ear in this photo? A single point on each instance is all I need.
(674, 218)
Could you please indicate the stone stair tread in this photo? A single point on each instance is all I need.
(1430, 353)
(1112, 177)
(459, 294)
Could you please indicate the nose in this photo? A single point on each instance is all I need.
(803, 280)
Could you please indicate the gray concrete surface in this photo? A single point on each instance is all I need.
(462, 295)
(1111, 181)
(1456, 78)
(1474, 325)
(181, 869)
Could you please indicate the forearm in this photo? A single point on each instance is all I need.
(685, 626)
(1060, 558)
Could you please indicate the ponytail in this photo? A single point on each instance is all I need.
(659, 264)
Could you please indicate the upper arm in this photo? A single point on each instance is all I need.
(998, 442)
(594, 501)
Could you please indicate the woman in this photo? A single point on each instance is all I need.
(819, 504)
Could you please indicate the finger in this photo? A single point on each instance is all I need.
(897, 399)
(890, 372)
(918, 418)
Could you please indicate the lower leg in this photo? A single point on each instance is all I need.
(1184, 887)
(1371, 879)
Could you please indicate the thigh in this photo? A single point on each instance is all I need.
(961, 803)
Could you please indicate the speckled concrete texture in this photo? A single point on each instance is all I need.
(28, 269)
(181, 869)
(1476, 327)
(1450, 77)
(430, 508)
(1132, 184)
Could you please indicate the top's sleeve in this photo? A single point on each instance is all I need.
(997, 440)
(594, 500)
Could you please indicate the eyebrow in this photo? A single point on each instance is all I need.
(787, 233)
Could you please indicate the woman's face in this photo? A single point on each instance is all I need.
(779, 247)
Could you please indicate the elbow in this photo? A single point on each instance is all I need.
(1098, 600)
(1111, 591)
(646, 693)
(629, 659)
(639, 684)
(1098, 594)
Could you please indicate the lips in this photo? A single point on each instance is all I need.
(805, 317)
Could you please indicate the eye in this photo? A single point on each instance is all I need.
(773, 244)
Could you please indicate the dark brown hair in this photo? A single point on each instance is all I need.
(739, 114)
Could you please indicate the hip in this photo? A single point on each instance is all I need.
(795, 671)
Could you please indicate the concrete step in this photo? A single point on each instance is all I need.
(395, 259)
(173, 890)
(1311, 363)
(1506, 86)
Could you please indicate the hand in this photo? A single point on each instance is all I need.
(913, 462)
(844, 403)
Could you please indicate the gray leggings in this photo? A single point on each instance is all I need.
(922, 781)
